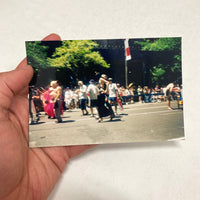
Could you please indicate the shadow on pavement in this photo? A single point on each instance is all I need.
(114, 120)
(177, 108)
(118, 117)
(123, 114)
(37, 123)
(67, 121)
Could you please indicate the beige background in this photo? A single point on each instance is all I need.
(166, 170)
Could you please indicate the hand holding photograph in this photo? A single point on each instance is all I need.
(105, 91)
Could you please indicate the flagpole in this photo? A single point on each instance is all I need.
(127, 57)
(126, 71)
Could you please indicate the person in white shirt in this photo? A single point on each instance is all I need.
(68, 98)
(82, 93)
(113, 93)
(92, 92)
(75, 99)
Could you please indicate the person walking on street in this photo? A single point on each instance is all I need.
(58, 102)
(92, 92)
(113, 93)
(103, 82)
(82, 97)
(103, 106)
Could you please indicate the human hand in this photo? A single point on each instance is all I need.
(26, 173)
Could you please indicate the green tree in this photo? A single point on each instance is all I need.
(79, 56)
(157, 73)
(163, 71)
(37, 55)
(160, 44)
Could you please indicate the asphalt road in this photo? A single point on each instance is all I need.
(136, 123)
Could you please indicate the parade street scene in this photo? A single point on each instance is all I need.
(105, 91)
(136, 123)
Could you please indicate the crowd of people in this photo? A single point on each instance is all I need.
(54, 100)
(146, 94)
(98, 96)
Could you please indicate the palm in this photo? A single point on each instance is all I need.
(25, 173)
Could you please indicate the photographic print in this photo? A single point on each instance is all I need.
(105, 91)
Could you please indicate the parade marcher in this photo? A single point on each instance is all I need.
(49, 100)
(68, 98)
(37, 101)
(82, 97)
(32, 108)
(104, 108)
(103, 81)
(113, 93)
(92, 92)
(58, 101)
(169, 90)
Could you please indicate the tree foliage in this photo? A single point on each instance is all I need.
(161, 71)
(79, 56)
(157, 73)
(160, 44)
(77, 59)
(37, 55)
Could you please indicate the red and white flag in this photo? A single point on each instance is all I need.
(127, 50)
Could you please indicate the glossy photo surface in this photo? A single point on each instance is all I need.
(105, 91)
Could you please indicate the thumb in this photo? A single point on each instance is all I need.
(14, 82)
